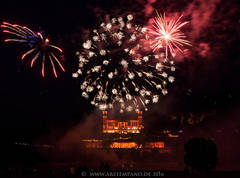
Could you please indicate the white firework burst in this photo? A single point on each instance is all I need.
(116, 70)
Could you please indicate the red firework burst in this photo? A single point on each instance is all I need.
(168, 35)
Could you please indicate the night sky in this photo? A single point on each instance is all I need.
(207, 76)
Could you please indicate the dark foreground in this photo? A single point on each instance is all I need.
(80, 172)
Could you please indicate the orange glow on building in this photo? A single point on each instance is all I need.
(171, 135)
(124, 145)
(121, 127)
(92, 143)
(154, 145)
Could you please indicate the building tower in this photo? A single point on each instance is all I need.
(140, 119)
(104, 120)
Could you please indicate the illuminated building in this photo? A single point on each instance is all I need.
(124, 145)
(154, 145)
(114, 135)
(121, 127)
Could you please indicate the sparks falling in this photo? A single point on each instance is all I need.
(40, 47)
(116, 71)
(167, 35)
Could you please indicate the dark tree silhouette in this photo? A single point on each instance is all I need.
(200, 155)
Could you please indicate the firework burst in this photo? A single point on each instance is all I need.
(116, 70)
(40, 46)
(167, 34)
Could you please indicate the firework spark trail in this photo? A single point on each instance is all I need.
(116, 69)
(40, 47)
(168, 35)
